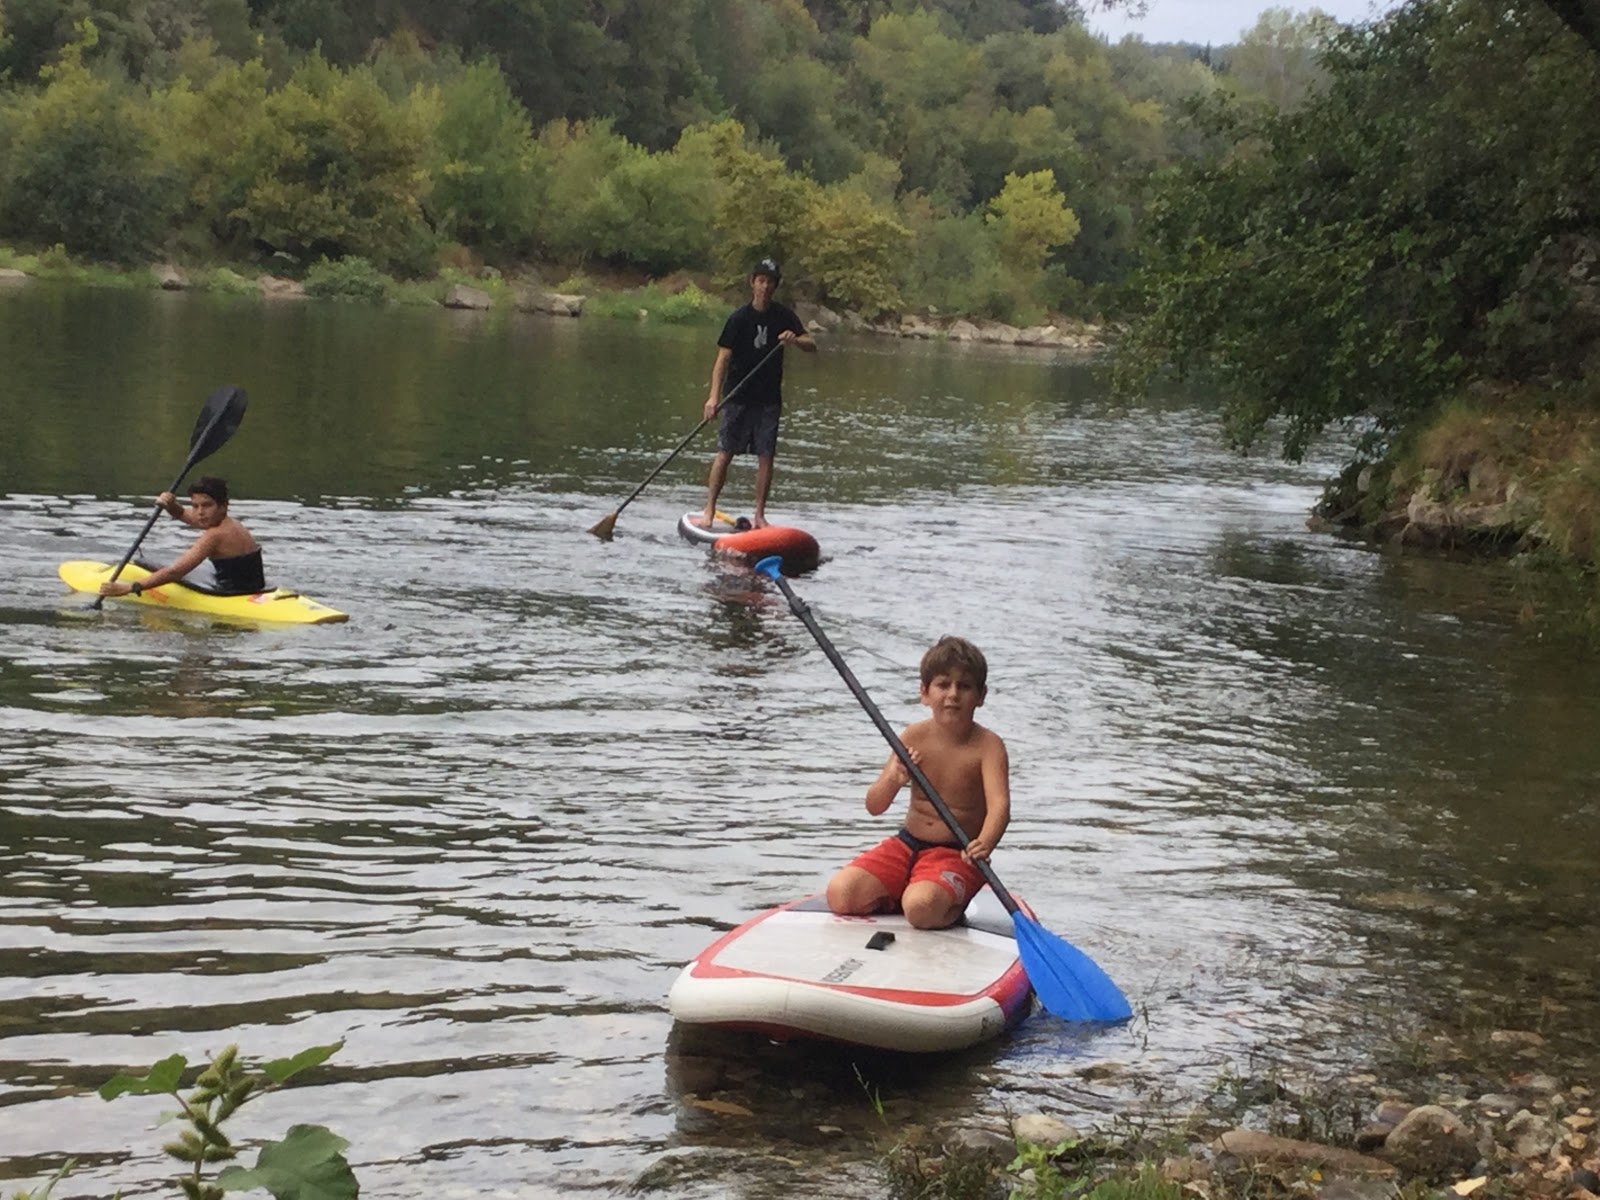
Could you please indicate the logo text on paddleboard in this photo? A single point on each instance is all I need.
(843, 971)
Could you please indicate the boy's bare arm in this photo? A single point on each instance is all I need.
(890, 780)
(996, 769)
(186, 562)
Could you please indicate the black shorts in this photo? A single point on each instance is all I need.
(749, 429)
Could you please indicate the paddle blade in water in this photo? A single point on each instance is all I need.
(605, 527)
(219, 418)
(1067, 981)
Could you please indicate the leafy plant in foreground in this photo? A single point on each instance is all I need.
(308, 1164)
(42, 1192)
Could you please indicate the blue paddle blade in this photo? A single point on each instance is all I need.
(1067, 981)
(771, 567)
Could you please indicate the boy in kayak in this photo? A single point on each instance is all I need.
(234, 555)
(746, 362)
(922, 868)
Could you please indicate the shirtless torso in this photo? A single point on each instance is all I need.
(956, 768)
(925, 871)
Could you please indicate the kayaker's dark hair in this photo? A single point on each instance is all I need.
(952, 653)
(210, 485)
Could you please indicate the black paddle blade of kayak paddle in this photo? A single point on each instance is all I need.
(1067, 981)
(219, 419)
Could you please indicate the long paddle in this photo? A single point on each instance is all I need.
(1067, 981)
(219, 417)
(608, 523)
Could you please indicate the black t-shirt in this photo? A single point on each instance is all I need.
(750, 335)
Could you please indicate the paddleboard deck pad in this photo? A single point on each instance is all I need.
(798, 971)
(735, 539)
(279, 605)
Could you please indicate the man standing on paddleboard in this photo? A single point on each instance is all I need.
(750, 363)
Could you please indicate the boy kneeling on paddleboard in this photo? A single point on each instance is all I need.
(922, 869)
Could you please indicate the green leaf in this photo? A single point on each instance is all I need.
(306, 1165)
(281, 1069)
(162, 1080)
(42, 1192)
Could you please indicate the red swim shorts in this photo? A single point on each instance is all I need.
(895, 864)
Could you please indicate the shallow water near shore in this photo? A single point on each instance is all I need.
(1291, 793)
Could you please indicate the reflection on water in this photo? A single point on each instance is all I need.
(1284, 789)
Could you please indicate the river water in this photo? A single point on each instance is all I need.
(1290, 792)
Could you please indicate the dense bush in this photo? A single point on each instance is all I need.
(78, 166)
(351, 278)
(490, 178)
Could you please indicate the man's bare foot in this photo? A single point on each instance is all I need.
(702, 521)
(758, 523)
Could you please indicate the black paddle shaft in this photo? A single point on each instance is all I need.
(225, 407)
(676, 450)
(802, 610)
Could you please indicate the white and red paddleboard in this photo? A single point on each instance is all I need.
(733, 538)
(800, 971)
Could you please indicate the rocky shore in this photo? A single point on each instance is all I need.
(1075, 336)
(1532, 1136)
(1079, 337)
(1453, 1108)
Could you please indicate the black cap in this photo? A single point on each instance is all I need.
(767, 266)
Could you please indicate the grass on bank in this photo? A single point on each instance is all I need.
(1538, 449)
(356, 279)
(1535, 450)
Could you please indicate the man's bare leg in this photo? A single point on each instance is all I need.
(714, 481)
(758, 519)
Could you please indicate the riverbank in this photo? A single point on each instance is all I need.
(1502, 472)
(1469, 1110)
(1528, 1134)
(675, 299)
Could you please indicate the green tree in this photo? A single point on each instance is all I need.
(78, 164)
(852, 254)
(207, 131)
(1279, 58)
(624, 204)
(921, 92)
(954, 262)
(1359, 259)
(661, 201)
(576, 215)
(331, 167)
(800, 108)
(761, 207)
(1032, 218)
(489, 175)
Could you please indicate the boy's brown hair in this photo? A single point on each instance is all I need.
(210, 485)
(952, 653)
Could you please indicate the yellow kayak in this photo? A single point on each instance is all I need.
(280, 604)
